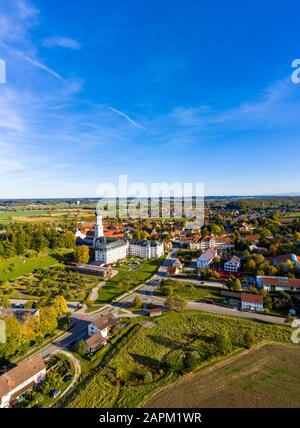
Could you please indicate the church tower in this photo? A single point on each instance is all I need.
(99, 230)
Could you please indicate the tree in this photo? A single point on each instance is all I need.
(229, 284)
(14, 338)
(66, 240)
(82, 348)
(48, 320)
(237, 285)
(222, 344)
(191, 361)
(249, 339)
(166, 290)
(137, 303)
(82, 254)
(60, 306)
(175, 303)
(5, 302)
(89, 304)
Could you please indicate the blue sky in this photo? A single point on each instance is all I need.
(173, 90)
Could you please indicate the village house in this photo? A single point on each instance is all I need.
(273, 283)
(102, 325)
(207, 258)
(246, 227)
(21, 379)
(94, 342)
(195, 244)
(222, 243)
(252, 302)
(284, 260)
(175, 268)
(232, 265)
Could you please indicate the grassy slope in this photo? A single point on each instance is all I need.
(266, 377)
(113, 289)
(167, 341)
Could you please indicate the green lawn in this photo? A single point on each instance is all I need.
(146, 360)
(113, 288)
(19, 266)
(192, 291)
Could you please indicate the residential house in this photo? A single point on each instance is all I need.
(94, 342)
(273, 283)
(222, 243)
(102, 325)
(252, 302)
(206, 259)
(21, 379)
(232, 265)
(284, 259)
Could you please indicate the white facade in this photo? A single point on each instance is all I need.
(92, 329)
(232, 265)
(253, 307)
(111, 255)
(21, 379)
(119, 249)
(206, 259)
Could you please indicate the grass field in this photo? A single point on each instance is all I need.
(113, 288)
(19, 266)
(192, 291)
(159, 352)
(267, 377)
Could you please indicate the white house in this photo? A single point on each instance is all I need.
(274, 283)
(206, 259)
(252, 302)
(21, 379)
(232, 265)
(102, 325)
(222, 243)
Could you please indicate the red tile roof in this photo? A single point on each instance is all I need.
(280, 282)
(20, 374)
(252, 298)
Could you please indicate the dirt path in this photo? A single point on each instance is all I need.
(77, 373)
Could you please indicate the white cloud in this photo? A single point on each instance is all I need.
(128, 118)
(63, 42)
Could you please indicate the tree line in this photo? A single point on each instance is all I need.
(21, 239)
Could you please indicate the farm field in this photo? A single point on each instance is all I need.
(42, 215)
(192, 291)
(149, 359)
(114, 287)
(267, 377)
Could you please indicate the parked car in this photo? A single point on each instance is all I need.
(55, 393)
(67, 378)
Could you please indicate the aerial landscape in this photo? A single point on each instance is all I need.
(149, 206)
